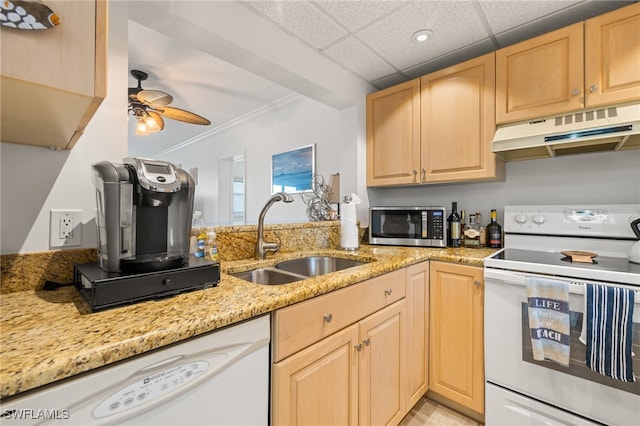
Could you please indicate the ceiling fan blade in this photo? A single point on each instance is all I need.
(155, 98)
(182, 115)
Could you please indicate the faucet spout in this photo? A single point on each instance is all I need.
(263, 247)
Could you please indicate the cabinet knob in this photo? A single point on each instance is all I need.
(358, 347)
(593, 88)
(415, 173)
(367, 341)
(327, 317)
(424, 175)
(387, 291)
(477, 283)
(575, 92)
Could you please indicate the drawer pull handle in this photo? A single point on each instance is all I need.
(387, 292)
(327, 317)
(367, 341)
(358, 347)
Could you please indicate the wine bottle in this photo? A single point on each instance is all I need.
(494, 232)
(453, 222)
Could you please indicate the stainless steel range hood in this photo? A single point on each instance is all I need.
(602, 129)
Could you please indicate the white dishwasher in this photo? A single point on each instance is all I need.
(221, 378)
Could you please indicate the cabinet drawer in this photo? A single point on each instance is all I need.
(298, 326)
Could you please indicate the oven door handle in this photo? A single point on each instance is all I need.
(518, 278)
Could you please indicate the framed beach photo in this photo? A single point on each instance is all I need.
(292, 171)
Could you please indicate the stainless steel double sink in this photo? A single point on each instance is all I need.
(298, 269)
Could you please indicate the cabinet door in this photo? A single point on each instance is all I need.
(318, 385)
(393, 135)
(541, 76)
(381, 390)
(458, 122)
(456, 357)
(612, 57)
(53, 81)
(417, 332)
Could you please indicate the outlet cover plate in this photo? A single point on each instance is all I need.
(57, 218)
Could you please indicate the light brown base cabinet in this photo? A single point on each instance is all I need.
(348, 357)
(456, 340)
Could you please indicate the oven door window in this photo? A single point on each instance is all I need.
(578, 351)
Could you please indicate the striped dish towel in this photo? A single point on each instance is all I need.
(549, 326)
(609, 318)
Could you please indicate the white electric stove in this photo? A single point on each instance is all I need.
(520, 390)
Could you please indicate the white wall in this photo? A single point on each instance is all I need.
(35, 180)
(292, 123)
(603, 178)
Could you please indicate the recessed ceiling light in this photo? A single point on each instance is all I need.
(421, 36)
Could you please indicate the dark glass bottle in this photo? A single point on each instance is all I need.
(494, 232)
(453, 222)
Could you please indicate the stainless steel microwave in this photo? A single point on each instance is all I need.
(408, 226)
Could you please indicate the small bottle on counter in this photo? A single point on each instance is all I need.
(453, 222)
(472, 233)
(483, 230)
(198, 235)
(211, 247)
(494, 232)
(463, 226)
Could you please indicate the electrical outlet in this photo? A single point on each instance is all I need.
(65, 228)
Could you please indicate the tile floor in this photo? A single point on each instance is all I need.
(428, 412)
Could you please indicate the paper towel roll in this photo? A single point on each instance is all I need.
(348, 223)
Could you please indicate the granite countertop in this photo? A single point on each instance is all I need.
(51, 335)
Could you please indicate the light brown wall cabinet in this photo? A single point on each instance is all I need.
(393, 135)
(458, 123)
(54, 80)
(456, 342)
(344, 357)
(435, 129)
(584, 65)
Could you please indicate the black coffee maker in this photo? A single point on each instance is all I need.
(144, 210)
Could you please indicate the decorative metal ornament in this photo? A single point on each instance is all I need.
(27, 15)
(318, 201)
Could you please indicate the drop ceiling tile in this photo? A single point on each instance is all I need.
(504, 15)
(356, 14)
(455, 24)
(301, 19)
(357, 57)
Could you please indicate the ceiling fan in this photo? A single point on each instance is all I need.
(149, 106)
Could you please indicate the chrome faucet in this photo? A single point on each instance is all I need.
(261, 246)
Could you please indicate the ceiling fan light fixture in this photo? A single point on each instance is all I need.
(421, 36)
(141, 127)
(151, 124)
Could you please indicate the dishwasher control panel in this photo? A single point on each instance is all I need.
(151, 387)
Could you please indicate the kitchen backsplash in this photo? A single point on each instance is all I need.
(29, 271)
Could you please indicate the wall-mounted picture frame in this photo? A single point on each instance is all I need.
(293, 171)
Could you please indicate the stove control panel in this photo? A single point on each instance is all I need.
(586, 215)
(608, 221)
